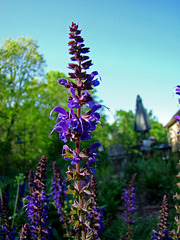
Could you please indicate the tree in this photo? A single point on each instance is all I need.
(21, 70)
(157, 130)
(123, 129)
(20, 63)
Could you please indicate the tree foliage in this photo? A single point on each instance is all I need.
(122, 130)
(27, 96)
(20, 63)
(21, 70)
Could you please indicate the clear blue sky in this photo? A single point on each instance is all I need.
(135, 45)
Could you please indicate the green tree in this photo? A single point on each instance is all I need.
(21, 70)
(122, 130)
(20, 63)
(157, 130)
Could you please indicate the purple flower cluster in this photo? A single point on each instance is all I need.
(86, 154)
(166, 235)
(58, 192)
(37, 203)
(6, 232)
(95, 215)
(162, 233)
(101, 221)
(129, 203)
(71, 126)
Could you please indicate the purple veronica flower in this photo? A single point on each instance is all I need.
(63, 81)
(129, 204)
(57, 194)
(70, 155)
(92, 114)
(155, 237)
(63, 115)
(31, 209)
(101, 221)
(91, 118)
(91, 153)
(73, 101)
(69, 125)
(86, 99)
(91, 81)
(63, 130)
(166, 236)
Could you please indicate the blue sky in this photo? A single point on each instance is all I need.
(135, 45)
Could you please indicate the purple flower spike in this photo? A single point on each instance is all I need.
(37, 203)
(75, 125)
(129, 204)
(163, 232)
(58, 192)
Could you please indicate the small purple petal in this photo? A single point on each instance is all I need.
(94, 146)
(62, 81)
(94, 74)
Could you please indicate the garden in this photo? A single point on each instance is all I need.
(57, 180)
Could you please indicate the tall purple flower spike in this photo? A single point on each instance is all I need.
(76, 126)
(129, 204)
(37, 203)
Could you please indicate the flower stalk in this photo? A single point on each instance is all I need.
(37, 203)
(129, 203)
(162, 233)
(77, 127)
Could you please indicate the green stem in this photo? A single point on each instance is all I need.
(17, 195)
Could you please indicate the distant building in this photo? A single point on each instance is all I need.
(173, 128)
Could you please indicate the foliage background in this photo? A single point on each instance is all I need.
(27, 96)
